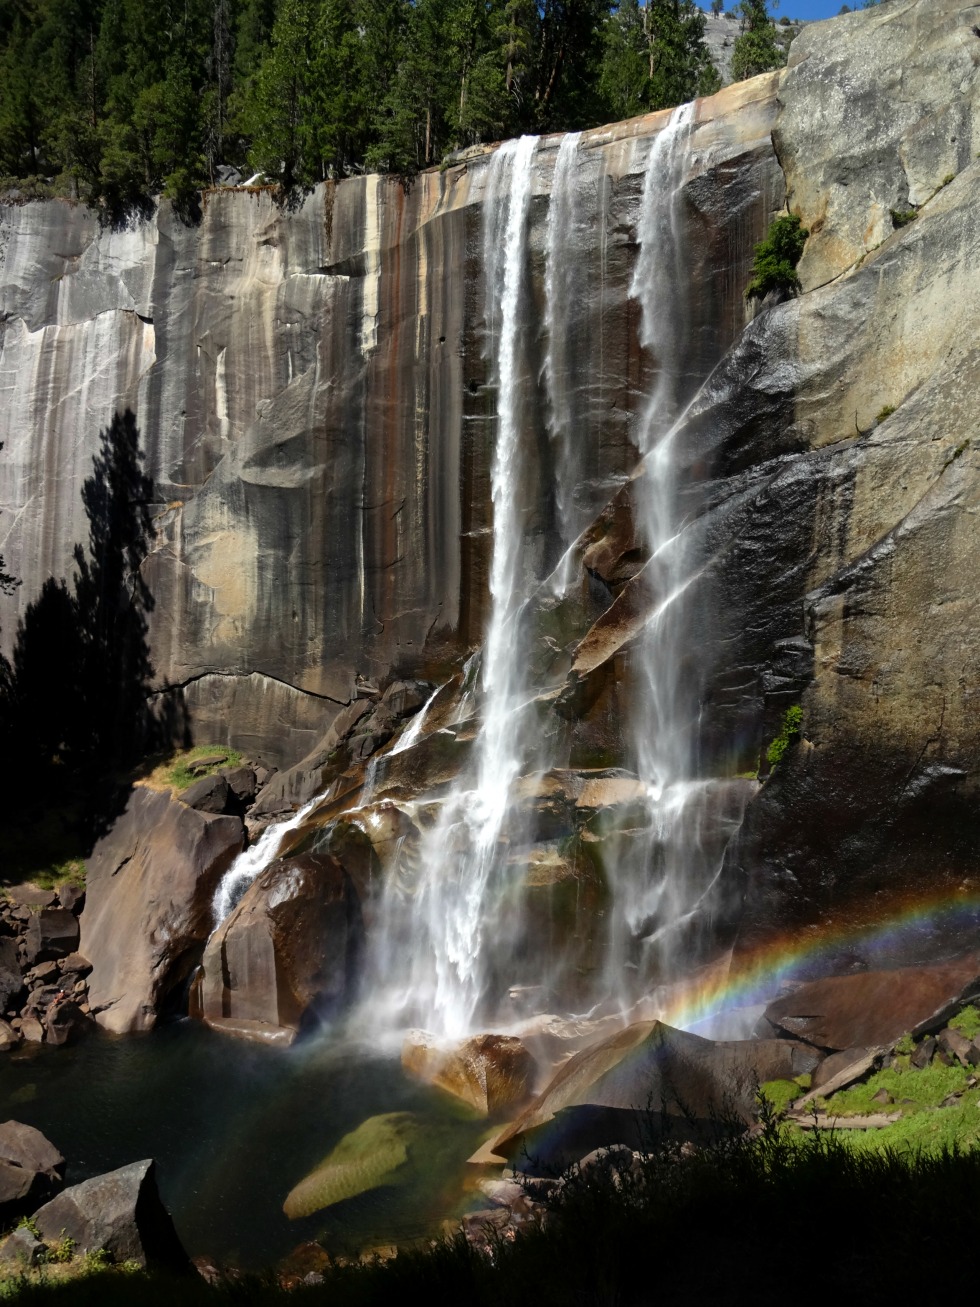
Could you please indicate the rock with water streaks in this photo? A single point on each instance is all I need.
(287, 955)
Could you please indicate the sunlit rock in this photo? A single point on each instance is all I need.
(150, 885)
(490, 1072)
(287, 955)
(653, 1068)
(873, 1007)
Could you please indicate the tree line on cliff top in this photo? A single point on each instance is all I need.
(118, 100)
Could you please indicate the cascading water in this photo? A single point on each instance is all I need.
(561, 285)
(253, 861)
(432, 955)
(663, 873)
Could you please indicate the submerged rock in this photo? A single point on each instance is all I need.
(374, 1154)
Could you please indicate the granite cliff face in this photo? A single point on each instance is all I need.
(315, 394)
(311, 391)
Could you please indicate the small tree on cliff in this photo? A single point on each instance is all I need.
(776, 258)
(756, 50)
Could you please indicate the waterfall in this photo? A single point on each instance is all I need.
(449, 934)
(431, 955)
(562, 288)
(253, 861)
(662, 874)
(413, 733)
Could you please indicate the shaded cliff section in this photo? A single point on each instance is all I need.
(312, 388)
(848, 526)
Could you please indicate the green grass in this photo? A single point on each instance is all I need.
(70, 872)
(949, 1128)
(967, 1022)
(911, 1090)
(781, 1093)
(886, 412)
(902, 217)
(176, 773)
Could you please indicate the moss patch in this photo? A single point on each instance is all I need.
(175, 773)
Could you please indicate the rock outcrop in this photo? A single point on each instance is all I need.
(43, 986)
(121, 1213)
(286, 957)
(873, 1007)
(490, 1072)
(151, 884)
(31, 1170)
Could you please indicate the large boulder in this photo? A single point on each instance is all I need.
(51, 933)
(288, 953)
(151, 882)
(490, 1072)
(31, 1170)
(873, 1007)
(651, 1067)
(120, 1212)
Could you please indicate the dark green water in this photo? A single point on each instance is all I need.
(233, 1127)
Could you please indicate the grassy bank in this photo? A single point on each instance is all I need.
(773, 1219)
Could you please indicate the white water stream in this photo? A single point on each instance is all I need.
(445, 940)
(662, 874)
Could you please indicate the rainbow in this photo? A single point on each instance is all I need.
(903, 931)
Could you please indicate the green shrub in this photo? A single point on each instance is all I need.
(886, 412)
(789, 731)
(902, 217)
(967, 1022)
(775, 259)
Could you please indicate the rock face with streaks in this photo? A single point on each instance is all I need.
(315, 395)
(311, 390)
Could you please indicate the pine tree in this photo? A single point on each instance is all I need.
(756, 50)
(276, 115)
(625, 72)
(655, 57)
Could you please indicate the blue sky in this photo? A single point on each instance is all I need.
(812, 9)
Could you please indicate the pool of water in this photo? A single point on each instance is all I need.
(234, 1126)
